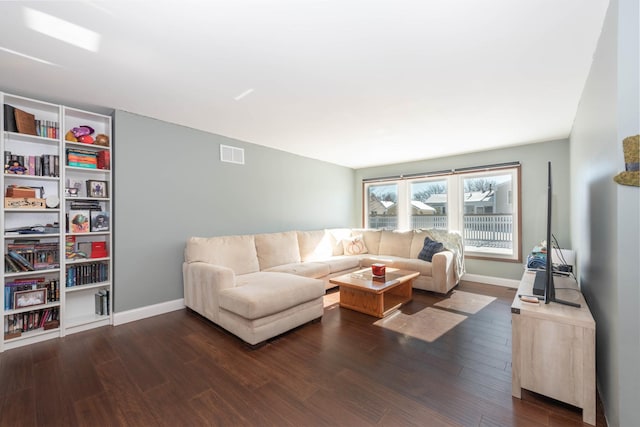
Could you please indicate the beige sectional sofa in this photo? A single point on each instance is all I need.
(259, 286)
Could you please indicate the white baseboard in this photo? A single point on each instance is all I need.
(490, 280)
(147, 311)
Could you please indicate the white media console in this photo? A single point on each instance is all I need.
(554, 347)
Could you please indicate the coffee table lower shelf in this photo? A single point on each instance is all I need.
(376, 304)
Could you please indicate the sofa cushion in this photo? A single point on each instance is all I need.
(424, 267)
(336, 235)
(354, 245)
(431, 247)
(277, 249)
(341, 263)
(315, 245)
(396, 243)
(371, 238)
(305, 269)
(235, 252)
(265, 293)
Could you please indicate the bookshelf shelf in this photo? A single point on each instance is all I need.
(9, 210)
(86, 260)
(32, 308)
(32, 273)
(21, 137)
(75, 322)
(33, 137)
(30, 236)
(11, 176)
(87, 170)
(80, 288)
(90, 233)
(35, 333)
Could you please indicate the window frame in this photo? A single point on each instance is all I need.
(455, 203)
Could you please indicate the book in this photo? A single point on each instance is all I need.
(79, 221)
(104, 159)
(10, 119)
(69, 246)
(25, 122)
(24, 264)
(99, 221)
(102, 302)
(11, 266)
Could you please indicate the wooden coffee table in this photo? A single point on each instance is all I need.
(361, 291)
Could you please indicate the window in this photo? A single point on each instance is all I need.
(482, 203)
(382, 206)
(489, 220)
(429, 204)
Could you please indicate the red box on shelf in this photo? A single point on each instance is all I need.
(99, 250)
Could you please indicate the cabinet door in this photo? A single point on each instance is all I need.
(552, 359)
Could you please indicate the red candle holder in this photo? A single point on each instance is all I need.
(378, 269)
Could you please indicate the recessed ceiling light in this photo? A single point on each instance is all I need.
(62, 30)
(243, 94)
(24, 55)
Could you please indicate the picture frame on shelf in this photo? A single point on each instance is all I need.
(79, 221)
(29, 298)
(97, 189)
(99, 221)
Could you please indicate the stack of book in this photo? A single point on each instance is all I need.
(30, 256)
(82, 158)
(86, 204)
(87, 273)
(44, 165)
(27, 284)
(15, 324)
(102, 302)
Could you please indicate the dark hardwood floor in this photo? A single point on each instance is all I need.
(180, 370)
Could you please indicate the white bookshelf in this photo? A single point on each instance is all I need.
(75, 305)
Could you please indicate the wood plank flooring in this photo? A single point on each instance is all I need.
(178, 369)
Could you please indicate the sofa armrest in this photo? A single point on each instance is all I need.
(202, 285)
(443, 271)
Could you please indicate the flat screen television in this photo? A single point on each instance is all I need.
(543, 283)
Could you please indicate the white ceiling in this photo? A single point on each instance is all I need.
(352, 82)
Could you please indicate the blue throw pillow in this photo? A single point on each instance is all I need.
(430, 248)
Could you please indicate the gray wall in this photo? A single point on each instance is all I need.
(533, 158)
(606, 216)
(170, 184)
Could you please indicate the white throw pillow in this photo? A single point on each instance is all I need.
(354, 245)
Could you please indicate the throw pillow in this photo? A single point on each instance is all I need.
(430, 248)
(354, 245)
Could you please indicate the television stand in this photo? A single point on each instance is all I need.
(554, 347)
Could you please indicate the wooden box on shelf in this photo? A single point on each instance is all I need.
(24, 203)
(20, 192)
(51, 324)
(11, 335)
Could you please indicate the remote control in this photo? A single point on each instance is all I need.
(529, 299)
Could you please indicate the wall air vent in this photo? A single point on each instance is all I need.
(231, 154)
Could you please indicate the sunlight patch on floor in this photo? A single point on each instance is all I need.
(465, 302)
(428, 324)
